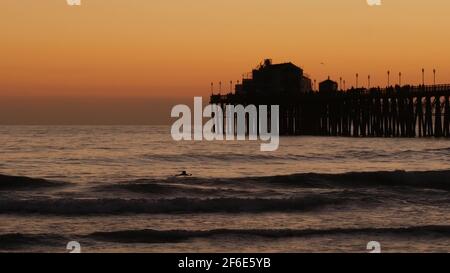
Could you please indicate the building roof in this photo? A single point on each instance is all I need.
(268, 64)
(283, 65)
(329, 81)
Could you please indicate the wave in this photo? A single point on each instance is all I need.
(25, 183)
(202, 157)
(181, 205)
(438, 179)
(445, 150)
(399, 178)
(235, 195)
(150, 236)
(388, 179)
(184, 187)
(418, 179)
(175, 236)
(236, 156)
(156, 187)
(19, 240)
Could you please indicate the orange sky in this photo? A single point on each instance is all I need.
(175, 48)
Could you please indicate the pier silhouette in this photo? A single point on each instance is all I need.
(395, 111)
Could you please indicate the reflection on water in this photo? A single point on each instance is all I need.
(105, 153)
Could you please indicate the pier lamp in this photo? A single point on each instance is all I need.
(340, 83)
(357, 79)
(400, 78)
(389, 78)
(423, 76)
(368, 82)
(434, 76)
(212, 88)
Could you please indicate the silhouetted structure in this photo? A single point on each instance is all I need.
(400, 111)
(328, 87)
(275, 79)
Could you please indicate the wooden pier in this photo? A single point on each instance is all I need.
(407, 111)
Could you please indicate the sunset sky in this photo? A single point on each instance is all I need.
(175, 48)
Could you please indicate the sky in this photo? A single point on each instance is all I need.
(122, 50)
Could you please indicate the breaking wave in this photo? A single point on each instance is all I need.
(25, 183)
(175, 236)
(234, 195)
(425, 179)
(150, 236)
(179, 205)
(19, 240)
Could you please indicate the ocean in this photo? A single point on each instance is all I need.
(114, 189)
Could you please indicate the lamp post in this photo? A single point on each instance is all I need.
(368, 82)
(400, 78)
(423, 76)
(357, 79)
(220, 87)
(340, 83)
(434, 76)
(212, 88)
(389, 78)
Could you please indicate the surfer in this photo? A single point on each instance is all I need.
(183, 174)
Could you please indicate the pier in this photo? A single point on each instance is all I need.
(397, 111)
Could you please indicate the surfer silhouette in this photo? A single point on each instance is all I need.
(183, 174)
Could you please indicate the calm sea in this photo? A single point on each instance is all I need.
(113, 189)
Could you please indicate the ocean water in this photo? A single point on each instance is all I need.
(113, 189)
